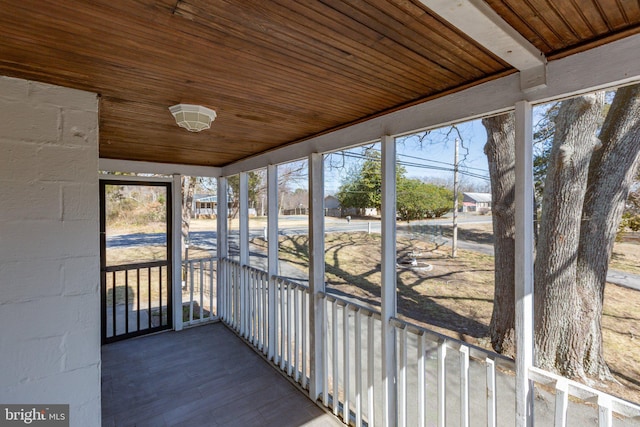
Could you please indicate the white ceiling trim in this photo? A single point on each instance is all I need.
(477, 20)
(613, 64)
(132, 166)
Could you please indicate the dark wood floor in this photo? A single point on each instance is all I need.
(203, 376)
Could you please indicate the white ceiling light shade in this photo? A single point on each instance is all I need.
(193, 118)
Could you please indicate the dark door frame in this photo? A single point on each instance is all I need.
(104, 269)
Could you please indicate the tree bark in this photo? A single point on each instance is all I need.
(612, 171)
(560, 330)
(500, 151)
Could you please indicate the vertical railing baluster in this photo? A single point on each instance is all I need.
(562, 402)
(227, 291)
(325, 345)
(191, 280)
(491, 393)
(276, 320)
(238, 281)
(232, 293)
(234, 290)
(358, 367)
(201, 292)
(346, 361)
(442, 384)
(422, 386)
(605, 415)
(296, 325)
(283, 324)
(148, 295)
(210, 282)
(305, 352)
(225, 282)
(256, 309)
(246, 315)
(160, 294)
(370, 372)
(114, 282)
(289, 327)
(464, 386)
(251, 289)
(222, 298)
(265, 313)
(334, 337)
(126, 302)
(248, 307)
(243, 301)
(402, 379)
(138, 299)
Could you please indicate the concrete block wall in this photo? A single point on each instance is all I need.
(49, 248)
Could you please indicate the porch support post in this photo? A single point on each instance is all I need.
(244, 219)
(176, 249)
(388, 303)
(244, 251)
(524, 246)
(272, 256)
(317, 322)
(222, 244)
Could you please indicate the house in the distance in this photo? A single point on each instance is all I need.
(476, 202)
(332, 207)
(204, 205)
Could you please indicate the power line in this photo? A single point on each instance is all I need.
(422, 166)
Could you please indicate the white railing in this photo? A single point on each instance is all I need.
(245, 307)
(199, 287)
(565, 388)
(292, 324)
(254, 285)
(350, 387)
(229, 289)
(440, 380)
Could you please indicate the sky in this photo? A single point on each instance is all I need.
(425, 156)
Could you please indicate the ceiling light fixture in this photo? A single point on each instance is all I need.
(193, 118)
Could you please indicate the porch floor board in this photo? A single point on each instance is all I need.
(202, 376)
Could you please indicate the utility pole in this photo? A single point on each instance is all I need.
(454, 243)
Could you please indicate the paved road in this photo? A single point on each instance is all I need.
(207, 240)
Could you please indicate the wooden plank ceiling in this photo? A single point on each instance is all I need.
(275, 71)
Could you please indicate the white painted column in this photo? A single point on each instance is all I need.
(244, 219)
(176, 250)
(222, 243)
(272, 256)
(317, 321)
(243, 242)
(389, 301)
(524, 263)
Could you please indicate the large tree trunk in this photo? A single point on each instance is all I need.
(611, 173)
(560, 329)
(500, 151)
